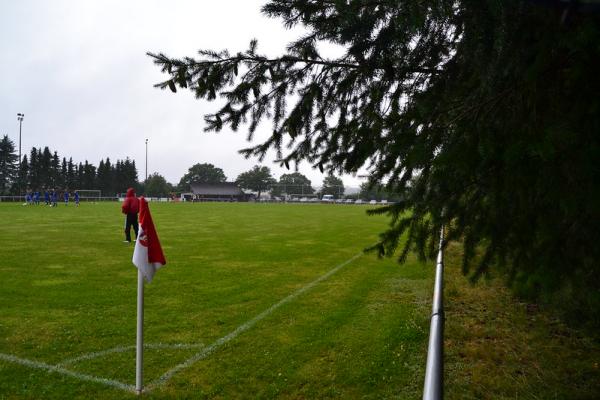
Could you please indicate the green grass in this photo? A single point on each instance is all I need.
(498, 347)
(69, 288)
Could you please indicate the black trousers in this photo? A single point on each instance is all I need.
(131, 220)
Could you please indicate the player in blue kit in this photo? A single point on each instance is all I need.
(66, 196)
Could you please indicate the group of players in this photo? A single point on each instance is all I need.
(50, 198)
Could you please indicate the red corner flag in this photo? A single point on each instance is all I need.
(148, 256)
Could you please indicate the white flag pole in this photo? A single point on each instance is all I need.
(139, 349)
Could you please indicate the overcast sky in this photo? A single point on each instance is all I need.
(78, 70)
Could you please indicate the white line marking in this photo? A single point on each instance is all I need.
(121, 349)
(60, 370)
(244, 327)
(189, 362)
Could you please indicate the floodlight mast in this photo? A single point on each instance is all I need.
(20, 117)
(146, 181)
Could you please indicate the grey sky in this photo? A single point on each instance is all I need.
(78, 71)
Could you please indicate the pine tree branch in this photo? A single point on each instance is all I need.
(190, 63)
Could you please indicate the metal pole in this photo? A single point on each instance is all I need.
(146, 159)
(139, 343)
(433, 388)
(20, 118)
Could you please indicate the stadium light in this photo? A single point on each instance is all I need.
(146, 160)
(20, 117)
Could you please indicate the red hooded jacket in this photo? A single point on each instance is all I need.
(131, 205)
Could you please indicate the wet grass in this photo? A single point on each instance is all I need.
(69, 289)
(500, 348)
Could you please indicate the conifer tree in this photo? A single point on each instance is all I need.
(70, 180)
(79, 181)
(63, 174)
(43, 168)
(107, 183)
(482, 115)
(55, 171)
(35, 174)
(8, 165)
(22, 175)
(88, 176)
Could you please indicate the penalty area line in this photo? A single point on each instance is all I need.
(63, 371)
(244, 327)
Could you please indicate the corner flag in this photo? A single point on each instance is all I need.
(148, 256)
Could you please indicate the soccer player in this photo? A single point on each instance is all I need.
(130, 207)
(77, 198)
(66, 196)
(54, 198)
(47, 197)
(36, 198)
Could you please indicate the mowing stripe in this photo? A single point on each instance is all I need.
(121, 349)
(61, 370)
(244, 327)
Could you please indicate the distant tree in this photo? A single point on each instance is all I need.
(107, 183)
(201, 173)
(157, 186)
(79, 181)
(55, 171)
(118, 177)
(22, 175)
(132, 174)
(71, 175)
(371, 191)
(43, 167)
(8, 164)
(35, 173)
(332, 185)
(63, 173)
(258, 179)
(124, 175)
(293, 184)
(88, 176)
(105, 177)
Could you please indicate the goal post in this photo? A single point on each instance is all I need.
(89, 195)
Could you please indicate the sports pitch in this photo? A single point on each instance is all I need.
(256, 301)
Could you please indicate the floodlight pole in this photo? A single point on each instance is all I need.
(20, 117)
(139, 343)
(146, 160)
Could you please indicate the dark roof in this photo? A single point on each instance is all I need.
(216, 189)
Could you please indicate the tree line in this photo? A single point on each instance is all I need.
(259, 179)
(45, 169)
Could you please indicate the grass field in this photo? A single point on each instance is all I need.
(260, 301)
(68, 298)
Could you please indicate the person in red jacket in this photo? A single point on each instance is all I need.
(131, 208)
